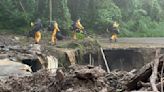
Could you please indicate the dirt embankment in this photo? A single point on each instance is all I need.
(78, 78)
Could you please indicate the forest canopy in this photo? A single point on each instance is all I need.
(136, 17)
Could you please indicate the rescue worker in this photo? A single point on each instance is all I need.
(36, 30)
(77, 27)
(54, 32)
(114, 31)
(59, 34)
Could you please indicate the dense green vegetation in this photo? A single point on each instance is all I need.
(136, 17)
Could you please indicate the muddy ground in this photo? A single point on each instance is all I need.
(43, 81)
(74, 78)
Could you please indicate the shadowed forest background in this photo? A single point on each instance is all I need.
(136, 17)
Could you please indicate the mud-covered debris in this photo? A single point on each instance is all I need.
(43, 81)
(59, 75)
(68, 81)
(117, 80)
(7, 40)
(10, 68)
(90, 73)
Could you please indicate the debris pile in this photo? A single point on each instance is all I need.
(76, 78)
(79, 78)
(150, 76)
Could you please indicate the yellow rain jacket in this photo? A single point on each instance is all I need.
(78, 26)
(53, 36)
(114, 36)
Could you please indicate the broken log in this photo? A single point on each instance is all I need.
(52, 63)
(158, 85)
(59, 75)
(153, 77)
(71, 56)
(90, 59)
(143, 74)
(90, 73)
(42, 59)
(145, 84)
(142, 91)
(161, 79)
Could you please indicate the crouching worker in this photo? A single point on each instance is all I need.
(54, 32)
(114, 31)
(36, 30)
(77, 27)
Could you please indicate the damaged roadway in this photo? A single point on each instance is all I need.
(20, 76)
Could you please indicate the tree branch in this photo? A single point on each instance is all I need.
(108, 70)
(161, 79)
(153, 77)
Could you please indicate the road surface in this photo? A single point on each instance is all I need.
(145, 42)
(105, 43)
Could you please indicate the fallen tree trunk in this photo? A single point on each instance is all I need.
(71, 56)
(158, 85)
(153, 77)
(90, 73)
(161, 79)
(143, 74)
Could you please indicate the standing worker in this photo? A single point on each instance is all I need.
(77, 27)
(114, 31)
(36, 30)
(54, 32)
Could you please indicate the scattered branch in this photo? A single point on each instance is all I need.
(106, 64)
(22, 6)
(153, 77)
(90, 59)
(143, 74)
(161, 79)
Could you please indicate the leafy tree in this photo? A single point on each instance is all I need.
(104, 12)
(61, 13)
(11, 15)
(134, 15)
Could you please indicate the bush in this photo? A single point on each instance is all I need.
(80, 36)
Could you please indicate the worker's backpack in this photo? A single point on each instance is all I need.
(115, 30)
(73, 26)
(50, 27)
